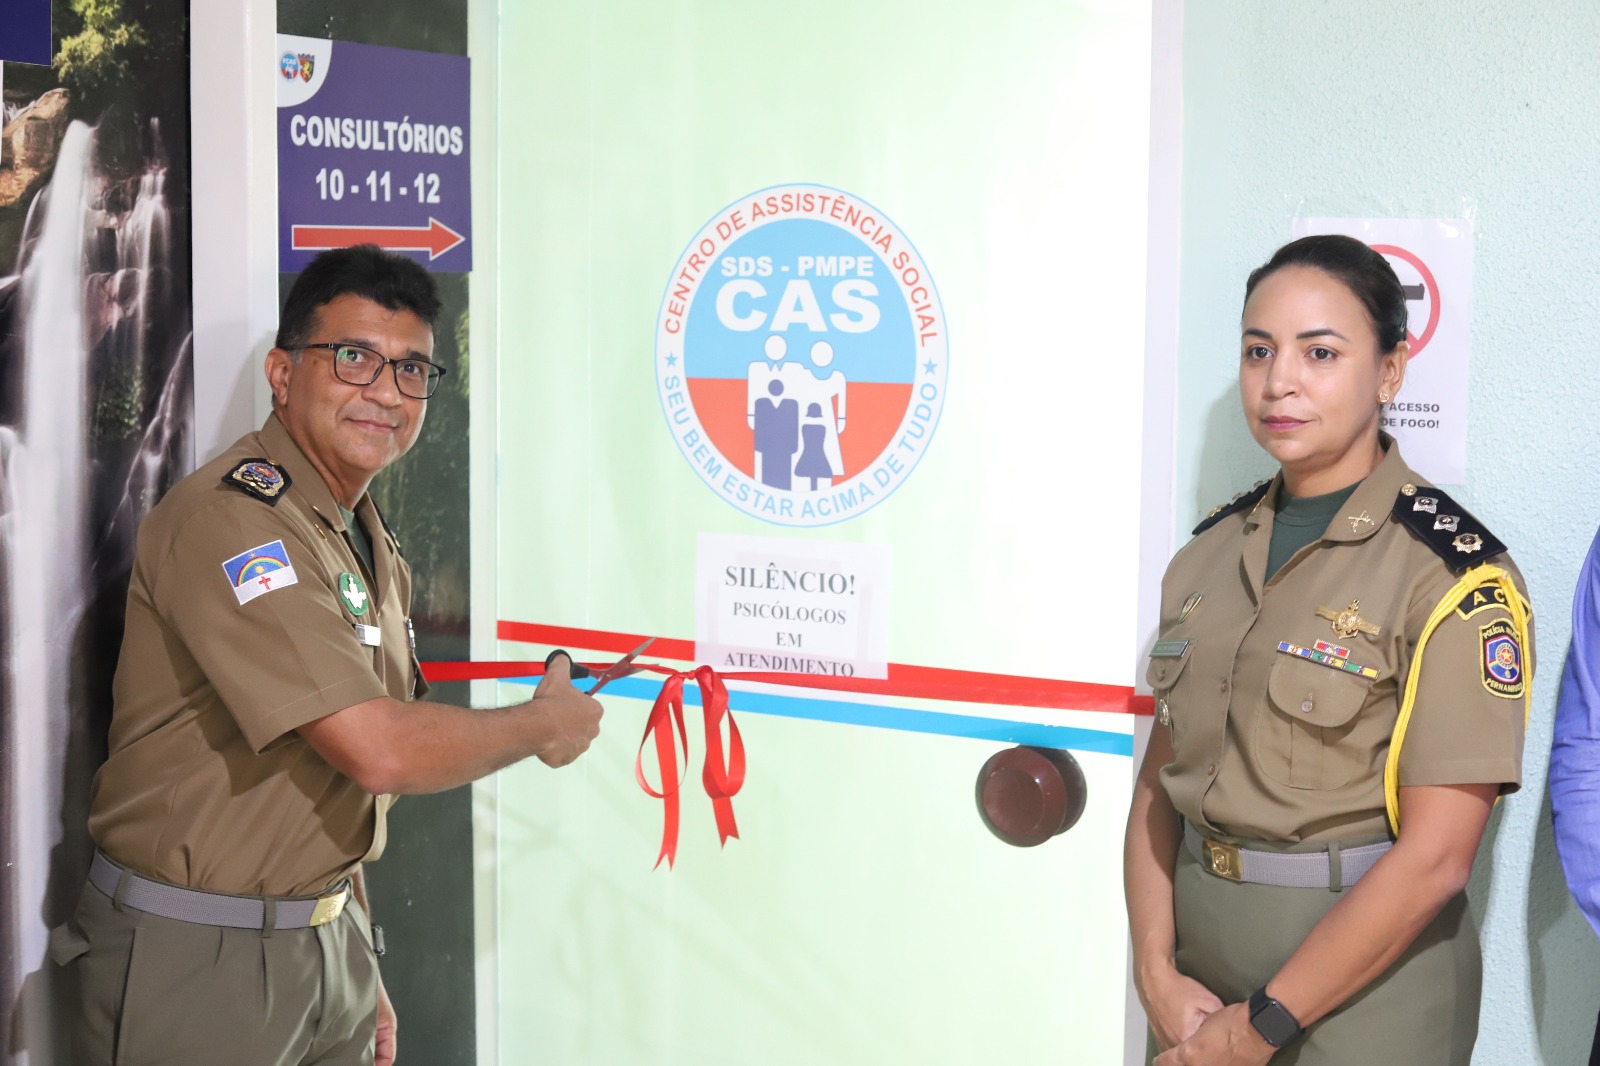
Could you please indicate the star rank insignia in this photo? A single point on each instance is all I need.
(1348, 622)
(1447, 528)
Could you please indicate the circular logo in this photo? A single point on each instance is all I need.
(801, 355)
(353, 593)
(289, 65)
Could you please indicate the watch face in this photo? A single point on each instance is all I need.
(1272, 1020)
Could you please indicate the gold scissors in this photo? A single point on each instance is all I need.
(621, 668)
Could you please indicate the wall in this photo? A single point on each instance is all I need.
(1369, 108)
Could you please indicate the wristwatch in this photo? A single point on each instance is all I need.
(1272, 1019)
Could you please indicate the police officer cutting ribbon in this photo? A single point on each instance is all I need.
(268, 705)
(1341, 687)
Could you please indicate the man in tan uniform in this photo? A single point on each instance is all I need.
(266, 707)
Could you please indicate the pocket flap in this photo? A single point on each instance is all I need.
(1165, 669)
(1316, 695)
(66, 944)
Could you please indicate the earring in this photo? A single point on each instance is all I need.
(1383, 397)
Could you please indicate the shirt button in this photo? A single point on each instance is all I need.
(1211, 769)
(1224, 686)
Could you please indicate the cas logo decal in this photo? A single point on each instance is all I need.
(801, 355)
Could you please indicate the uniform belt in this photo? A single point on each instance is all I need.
(214, 908)
(1335, 868)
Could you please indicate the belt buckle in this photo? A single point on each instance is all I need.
(329, 907)
(1223, 860)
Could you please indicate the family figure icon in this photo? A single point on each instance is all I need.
(797, 414)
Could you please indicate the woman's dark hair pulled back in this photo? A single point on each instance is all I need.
(1366, 273)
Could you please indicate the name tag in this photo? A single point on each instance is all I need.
(1169, 649)
(369, 636)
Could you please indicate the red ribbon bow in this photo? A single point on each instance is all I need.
(722, 777)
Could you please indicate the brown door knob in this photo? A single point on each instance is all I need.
(1027, 795)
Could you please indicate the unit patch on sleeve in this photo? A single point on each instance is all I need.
(1502, 659)
(259, 571)
(1481, 599)
(261, 478)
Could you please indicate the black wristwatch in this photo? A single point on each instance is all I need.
(1272, 1019)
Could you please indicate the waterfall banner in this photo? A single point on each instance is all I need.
(96, 416)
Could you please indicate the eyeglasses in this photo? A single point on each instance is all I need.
(355, 365)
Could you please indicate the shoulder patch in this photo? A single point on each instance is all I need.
(1502, 660)
(260, 570)
(1482, 598)
(1448, 528)
(1238, 503)
(261, 478)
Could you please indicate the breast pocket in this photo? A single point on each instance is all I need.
(1303, 734)
(1163, 676)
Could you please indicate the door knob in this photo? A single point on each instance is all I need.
(1026, 795)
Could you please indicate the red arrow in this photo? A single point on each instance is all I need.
(435, 238)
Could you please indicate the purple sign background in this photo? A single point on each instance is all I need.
(380, 152)
(25, 31)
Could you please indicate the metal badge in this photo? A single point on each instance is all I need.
(1426, 503)
(1356, 520)
(1163, 713)
(411, 635)
(1189, 605)
(1408, 489)
(369, 636)
(1169, 649)
(1447, 522)
(1468, 542)
(1348, 622)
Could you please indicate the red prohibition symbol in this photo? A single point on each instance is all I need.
(1417, 343)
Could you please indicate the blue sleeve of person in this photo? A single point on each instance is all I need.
(1575, 751)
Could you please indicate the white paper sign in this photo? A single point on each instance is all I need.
(792, 606)
(1433, 258)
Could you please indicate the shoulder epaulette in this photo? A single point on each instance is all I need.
(1445, 526)
(261, 478)
(1238, 503)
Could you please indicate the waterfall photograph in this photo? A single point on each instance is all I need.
(96, 422)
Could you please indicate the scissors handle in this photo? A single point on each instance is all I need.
(577, 670)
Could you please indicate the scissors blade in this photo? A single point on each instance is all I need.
(621, 668)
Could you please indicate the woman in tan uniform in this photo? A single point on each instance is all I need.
(1341, 684)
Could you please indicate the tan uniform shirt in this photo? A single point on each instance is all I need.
(1272, 746)
(208, 785)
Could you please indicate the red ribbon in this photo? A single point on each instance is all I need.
(722, 777)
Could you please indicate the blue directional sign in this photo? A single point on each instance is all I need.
(374, 146)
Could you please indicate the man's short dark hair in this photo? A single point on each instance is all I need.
(389, 280)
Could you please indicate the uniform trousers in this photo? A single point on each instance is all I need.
(1421, 1011)
(151, 990)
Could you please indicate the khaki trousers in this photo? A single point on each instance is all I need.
(1421, 1011)
(151, 990)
